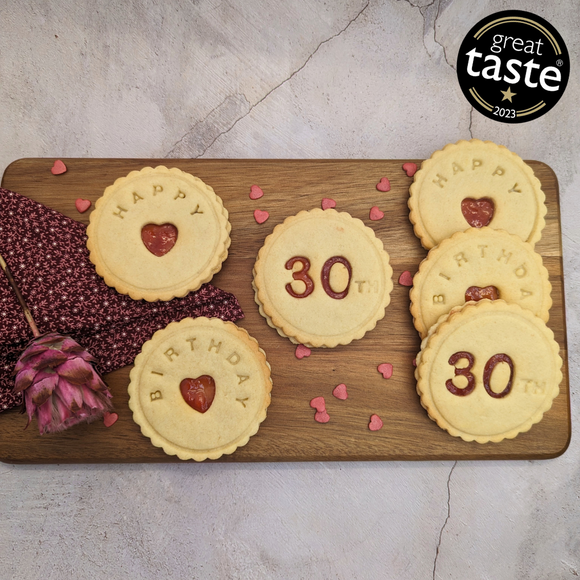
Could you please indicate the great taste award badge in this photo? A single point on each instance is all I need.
(513, 66)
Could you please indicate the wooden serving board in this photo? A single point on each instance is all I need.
(290, 433)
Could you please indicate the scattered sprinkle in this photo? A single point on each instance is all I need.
(376, 214)
(375, 423)
(384, 184)
(406, 279)
(318, 403)
(386, 369)
(256, 192)
(410, 169)
(302, 351)
(321, 417)
(58, 167)
(110, 419)
(261, 216)
(340, 392)
(328, 203)
(82, 205)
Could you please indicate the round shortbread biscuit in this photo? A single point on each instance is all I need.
(322, 278)
(192, 349)
(473, 184)
(479, 263)
(158, 198)
(488, 371)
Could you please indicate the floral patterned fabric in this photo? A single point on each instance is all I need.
(47, 255)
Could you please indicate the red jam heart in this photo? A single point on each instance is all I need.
(476, 293)
(159, 239)
(198, 393)
(478, 213)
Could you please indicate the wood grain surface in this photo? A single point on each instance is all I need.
(290, 433)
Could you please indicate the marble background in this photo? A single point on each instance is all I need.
(300, 79)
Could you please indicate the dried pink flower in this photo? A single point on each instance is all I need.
(61, 387)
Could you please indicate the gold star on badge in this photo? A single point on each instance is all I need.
(508, 94)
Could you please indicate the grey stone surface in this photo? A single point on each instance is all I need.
(300, 79)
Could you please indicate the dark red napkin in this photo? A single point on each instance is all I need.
(47, 254)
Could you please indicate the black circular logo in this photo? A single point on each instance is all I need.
(513, 66)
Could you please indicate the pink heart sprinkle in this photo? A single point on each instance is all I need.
(261, 216)
(384, 184)
(328, 203)
(340, 392)
(82, 205)
(375, 423)
(414, 362)
(110, 419)
(302, 351)
(410, 169)
(321, 417)
(256, 192)
(318, 403)
(58, 167)
(386, 369)
(376, 213)
(406, 279)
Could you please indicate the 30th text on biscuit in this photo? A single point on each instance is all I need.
(304, 275)
(525, 385)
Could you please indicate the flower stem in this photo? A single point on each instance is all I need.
(23, 304)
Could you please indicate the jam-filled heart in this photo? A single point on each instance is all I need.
(159, 239)
(477, 293)
(478, 212)
(198, 393)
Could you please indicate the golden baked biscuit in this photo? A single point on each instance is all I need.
(475, 184)
(488, 371)
(158, 233)
(322, 278)
(200, 388)
(477, 264)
